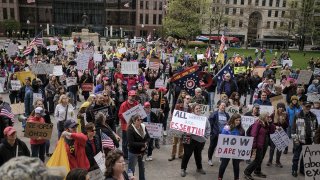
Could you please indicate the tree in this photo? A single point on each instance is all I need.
(183, 19)
(11, 25)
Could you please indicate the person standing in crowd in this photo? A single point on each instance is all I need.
(13, 93)
(26, 96)
(228, 86)
(263, 101)
(198, 97)
(38, 145)
(217, 120)
(115, 166)
(75, 146)
(303, 129)
(281, 121)
(11, 146)
(138, 138)
(290, 90)
(81, 116)
(261, 129)
(255, 112)
(86, 78)
(126, 105)
(92, 146)
(151, 118)
(182, 105)
(73, 89)
(78, 174)
(233, 127)
(142, 94)
(63, 111)
(194, 144)
(292, 110)
(51, 90)
(254, 81)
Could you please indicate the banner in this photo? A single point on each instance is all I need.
(97, 57)
(311, 160)
(138, 109)
(154, 129)
(232, 110)
(35, 130)
(15, 85)
(42, 68)
(247, 121)
(17, 109)
(71, 81)
(238, 70)
(317, 113)
(100, 160)
(234, 147)
(304, 77)
(280, 139)
(87, 87)
(129, 67)
(189, 123)
(23, 75)
(57, 71)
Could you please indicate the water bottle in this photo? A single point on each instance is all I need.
(130, 173)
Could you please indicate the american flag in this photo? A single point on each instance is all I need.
(223, 41)
(208, 53)
(106, 141)
(35, 42)
(6, 113)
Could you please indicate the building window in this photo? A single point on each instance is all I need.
(242, 2)
(160, 19)
(235, 2)
(141, 18)
(226, 24)
(270, 3)
(257, 3)
(5, 14)
(4, 1)
(155, 5)
(276, 14)
(284, 3)
(240, 23)
(249, 2)
(283, 13)
(233, 23)
(147, 19)
(234, 11)
(154, 19)
(218, 1)
(277, 3)
(268, 25)
(263, 2)
(12, 13)
(281, 24)
(141, 4)
(227, 11)
(160, 5)
(10, 1)
(292, 25)
(227, 2)
(269, 13)
(275, 25)
(147, 4)
(241, 12)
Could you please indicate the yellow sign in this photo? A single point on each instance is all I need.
(240, 69)
(220, 58)
(23, 75)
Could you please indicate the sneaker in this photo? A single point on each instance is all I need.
(183, 173)
(172, 158)
(158, 146)
(210, 163)
(149, 158)
(279, 165)
(165, 133)
(269, 163)
(248, 177)
(260, 175)
(201, 171)
(294, 174)
(285, 151)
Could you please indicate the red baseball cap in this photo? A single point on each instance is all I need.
(9, 131)
(147, 104)
(105, 78)
(132, 93)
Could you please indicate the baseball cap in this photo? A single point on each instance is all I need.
(307, 103)
(70, 124)
(38, 110)
(256, 105)
(147, 104)
(132, 93)
(9, 131)
(105, 78)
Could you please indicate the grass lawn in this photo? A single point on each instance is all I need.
(299, 59)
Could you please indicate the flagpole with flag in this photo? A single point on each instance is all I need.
(38, 40)
(220, 57)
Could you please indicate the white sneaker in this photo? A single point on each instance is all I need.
(165, 133)
(149, 158)
(210, 163)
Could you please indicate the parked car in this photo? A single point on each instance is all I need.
(316, 48)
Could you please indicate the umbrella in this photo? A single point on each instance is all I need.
(72, 63)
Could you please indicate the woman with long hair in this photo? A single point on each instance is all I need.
(142, 94)
(13, 93)
(86, 78)
(115, 166)
(233, 127)
(64, 111)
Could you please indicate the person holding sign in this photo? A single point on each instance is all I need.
(194, 144)
(261, 129)
(13, 91)
(92, 145)
(233, 127)
(293, 109)
(86, 80)
(37, 144)
(303, 129)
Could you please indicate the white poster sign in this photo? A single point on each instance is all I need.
(71, 81)
(109, 64)
(129, 67)
(235, 147)
(138, 109)
(83, 60)
(289, 62)
(68, 45)
(154, 129)
(200, 56)
(317, 113)
(311, 160)
(122, 50)
(15, 85)
(247, 121)
(53, 47)
(316, 71)
(313, 97)
(97, 57)
(189, 123)
(100, 160)
(171, 60)
(42, 68)
(205, 110)
(57, 71)
(280, 139)
(159, 83)
(232, 110)
(12, 49)
(266, 109)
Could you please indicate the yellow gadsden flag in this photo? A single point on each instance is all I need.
(59, 157)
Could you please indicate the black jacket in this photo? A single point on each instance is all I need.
(135, 141)
(254, 82)
(153, 118)
(91, 154)
(108, 131)
(7, 151)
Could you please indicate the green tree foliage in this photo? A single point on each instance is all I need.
(11, 25)
(183, 19)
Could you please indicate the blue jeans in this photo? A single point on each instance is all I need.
(133, 159)
(124, 144)
(73, 96)
(296, 157)
(289, 131)
(38, 150)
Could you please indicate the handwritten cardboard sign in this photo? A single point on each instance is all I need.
(138, 109)
(313, 97)
(15, 85)
(200, 56)
(235, 147)
(129, 67)
(304, 77)
(240, 69)
(71, 81)
(100, 160)
(311, 160)
(17, 109)
(287, 62)
(97, 57)
(189, 123)
(35, 130)
(232, 110)
(154, 129)
(280, 139)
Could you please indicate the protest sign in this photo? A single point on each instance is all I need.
(313, 97)
(83, 60)
(68, 45)
(53, 47)
(122, 50)
(100, 160)
(109, 64)
(171, 60)
(189, 123)
(266, 109)
(97, 57)
(235, 147)
(2, 83)
(129, 67)
(96, 175)
(71, 81)
(42, 68)
(240, 69)
(23, 75)
(57, 71)
(247, 121)
(205, 110)
(260, 70)
(317, 113)
(17, 108)
(200, 56)
(35, 130)
(311, 160)
(12, 49)
(287, 62)
(280, 139)
(232, 110)
(159, 83)
(15, 85)
(304, 77)
(316, 71)
(154, 129)
(277, 99)
(138, 109)
(154, 64)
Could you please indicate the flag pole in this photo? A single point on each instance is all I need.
(221, 69)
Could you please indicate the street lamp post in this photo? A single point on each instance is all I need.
(18, 34)
(154, 34)
(107, 31)
(142, 26)
(28, 22)
(121, 32)
(13, 34)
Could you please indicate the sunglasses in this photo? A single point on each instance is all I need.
(139, 119)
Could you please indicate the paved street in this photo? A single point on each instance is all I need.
(161, 168)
